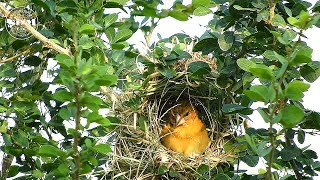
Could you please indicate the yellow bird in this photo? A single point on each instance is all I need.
(184, 132)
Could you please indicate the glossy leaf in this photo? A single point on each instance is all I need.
(278, 20)
(290, 152)
(167, 72)
(110, 19)
(122, 35)
(102, 148)
(245, 64)
(235, 108)
(63, 95)
(51, 151)
(291, 116)
(257, 93)
(310, 72)
(32, 61)
(294, 90)
(199, 68)
(262, 71)
(225, 41)
(201, 3)
(201, 11)
(87, 29)
(251, 161)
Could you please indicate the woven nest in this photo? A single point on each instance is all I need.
(139, 153)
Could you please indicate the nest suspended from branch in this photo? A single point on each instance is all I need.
(138, 152)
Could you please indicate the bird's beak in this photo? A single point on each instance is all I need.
(179, 120)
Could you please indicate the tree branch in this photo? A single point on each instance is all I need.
(47, 42)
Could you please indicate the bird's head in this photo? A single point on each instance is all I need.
(182, 113)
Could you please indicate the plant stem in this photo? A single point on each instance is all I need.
(6, 164)
(77, 93)
(277, 107)
(77, 136)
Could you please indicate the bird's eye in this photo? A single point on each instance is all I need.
(187, 114)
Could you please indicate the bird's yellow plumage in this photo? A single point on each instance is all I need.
(184, 132)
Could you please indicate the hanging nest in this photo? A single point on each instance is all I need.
(138, 152)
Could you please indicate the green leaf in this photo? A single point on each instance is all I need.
(110, 19)
(290, 152)
(162, 170)
(260, 4)
(301, 136)
(51, 151)
(293, 21)
(21, 138)
(90, 99)
(245, 64)
(13, 171)
(235, 108)
(302, 55)
(263, 149)
(294, 90)
(199, 68)
(181, 53)
(122, 35)
(118, 55)
(63, 169)
(179, 15)
(87, 29)
(262, 71)
(37, 174)
(264, 115)
(278, 20)
(85, 42)
(312, 121)
(222, 176)
(250, 160)
(64, 114)
(202, 169)
(32, 61)
(291, 116)
(2, 109)
(167, 72)
(201, 3)
(64, 60)
(288, 36)
(225, 40)
(173, 173)
(142, 123)
(310, 154)
(281, 59)
(302, 21)
(258, 93)
(121, 2)
(201, 11)
(270, 55)
(237, 7)
(97, 118)
(62, 95)
(310, 72)
(108, 80)
(102, 148)
(263, 15)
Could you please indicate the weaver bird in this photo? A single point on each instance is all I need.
(184, 132)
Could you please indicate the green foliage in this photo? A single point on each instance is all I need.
(256, 45)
